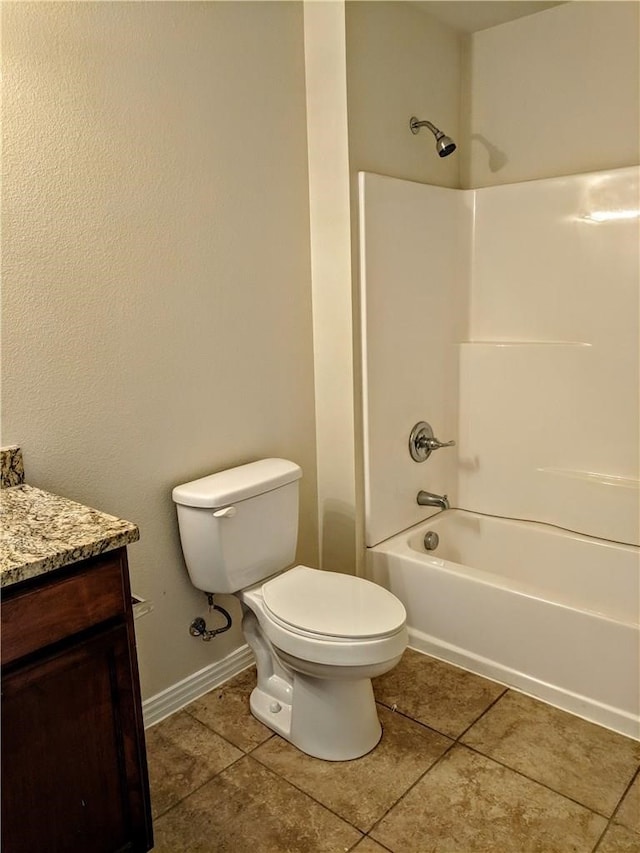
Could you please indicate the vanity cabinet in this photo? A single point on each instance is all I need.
(74, 773)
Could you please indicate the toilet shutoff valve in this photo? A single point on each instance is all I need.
(198, 628)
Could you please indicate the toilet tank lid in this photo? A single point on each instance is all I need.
(237, 484)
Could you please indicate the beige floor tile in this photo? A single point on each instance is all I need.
(470, 804)
(619, 839)
(182, 755)
(442, 696)
(226, 711)
(248, 809)
(362, 790)
(578, 759)
(629, 811)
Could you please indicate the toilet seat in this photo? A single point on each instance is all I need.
(321, 604)
(311, 596)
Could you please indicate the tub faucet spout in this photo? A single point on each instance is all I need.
(429, 499)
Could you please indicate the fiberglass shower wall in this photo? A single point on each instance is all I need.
(507, 317)
(414, 244)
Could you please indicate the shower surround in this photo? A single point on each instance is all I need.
(507, 317)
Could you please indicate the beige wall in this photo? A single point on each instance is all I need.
(401, 62)
(326, 91)
(157, 305)
(556, 93)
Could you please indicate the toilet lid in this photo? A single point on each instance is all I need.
(335, 605)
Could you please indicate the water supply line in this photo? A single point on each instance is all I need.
(198, 627)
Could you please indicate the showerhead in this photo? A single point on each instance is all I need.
(444, 144)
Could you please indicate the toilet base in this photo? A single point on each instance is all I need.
(335, 720)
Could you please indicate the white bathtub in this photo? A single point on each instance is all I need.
(552, 613)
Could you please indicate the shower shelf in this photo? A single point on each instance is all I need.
(594, 477)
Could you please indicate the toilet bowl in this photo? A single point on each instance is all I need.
(318, 637)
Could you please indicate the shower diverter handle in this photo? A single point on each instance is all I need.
(422, 442)
(434, 443)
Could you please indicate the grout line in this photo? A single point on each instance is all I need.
(356, 844)
(306, 793)
(624, 794)
(611, 821)
(411, 787)
(195, 790)
(262, 743)
(271, 770)
(602, 835)
(535, 781)
(215, 731)
(438, 731)
(218, 734)
(452, 743)
(417, 722)
(480, 716)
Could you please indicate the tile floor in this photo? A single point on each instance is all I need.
(463, 765)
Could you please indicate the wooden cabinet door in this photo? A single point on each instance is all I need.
(72, 772)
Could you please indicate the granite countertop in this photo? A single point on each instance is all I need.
(41, 532)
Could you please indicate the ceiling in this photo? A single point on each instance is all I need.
(469, 16)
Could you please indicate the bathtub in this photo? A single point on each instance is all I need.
(551, 613)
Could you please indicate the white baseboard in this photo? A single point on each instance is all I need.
(174, 698)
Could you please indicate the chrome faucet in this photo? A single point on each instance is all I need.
(422, 442)
(429, 499)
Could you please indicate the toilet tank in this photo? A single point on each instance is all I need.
(239, 526)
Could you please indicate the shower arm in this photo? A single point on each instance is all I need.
(416, 125)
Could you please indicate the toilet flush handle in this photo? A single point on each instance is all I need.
(226, 512)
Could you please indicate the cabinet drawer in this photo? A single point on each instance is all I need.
(56, 608)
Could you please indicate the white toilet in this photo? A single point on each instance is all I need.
(318, 637)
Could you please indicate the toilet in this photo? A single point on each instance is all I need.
(318, 637)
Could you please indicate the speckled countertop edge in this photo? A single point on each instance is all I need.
(11, 466)
(41, 532)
